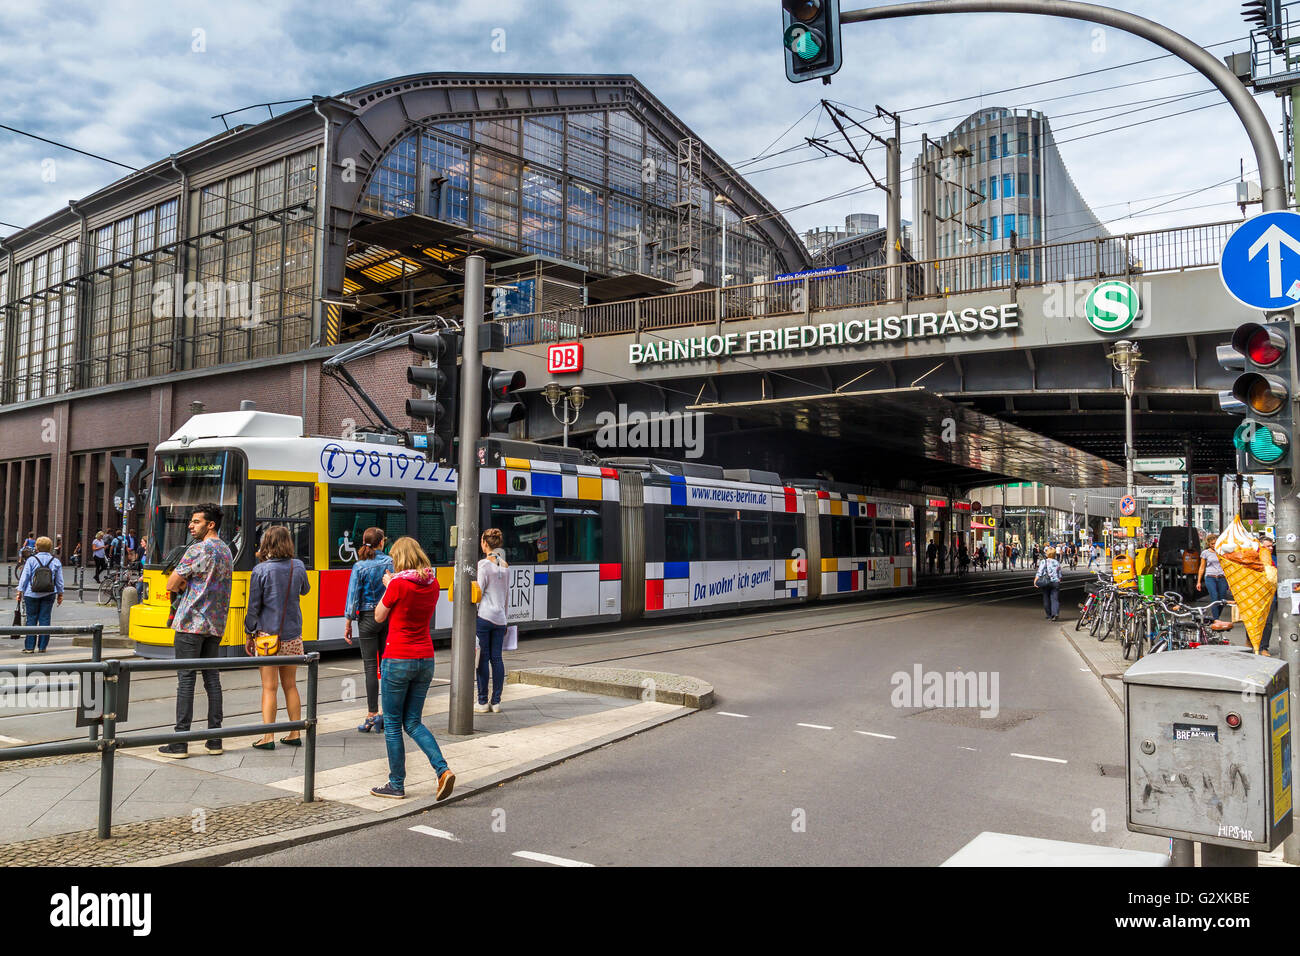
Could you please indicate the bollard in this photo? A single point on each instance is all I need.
(130, 598)
(108, 704)
(309, 750)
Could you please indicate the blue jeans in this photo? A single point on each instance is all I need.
(403, 688)
(490, 638)
(1216, 588)
(1051, 599)
(38, 615)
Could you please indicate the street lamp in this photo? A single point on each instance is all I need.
(1125, 356)
(1074, 532)
(573, 397)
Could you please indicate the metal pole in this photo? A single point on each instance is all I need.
(1271, 173)
(309, 748)
(126, 496)
(106, 748)
(893, 214)
(930, 220)
(460, 710)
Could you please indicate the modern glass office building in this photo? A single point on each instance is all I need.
(1000, 181)
(234, 267)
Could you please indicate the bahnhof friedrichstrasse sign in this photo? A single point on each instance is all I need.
(798, 338)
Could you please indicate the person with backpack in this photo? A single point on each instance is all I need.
(1048, 579)
(274, 589)
(40, 587)
(365, 588)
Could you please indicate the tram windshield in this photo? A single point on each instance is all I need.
(183, 481)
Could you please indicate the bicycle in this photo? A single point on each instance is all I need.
(113, 583)
(1186, 627)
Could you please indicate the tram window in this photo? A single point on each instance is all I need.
(523, 526)
(352, 512)
(577, 536)
(755, 539)
(288, 505)
(862, 531)
(720, 537)
(436, 515)
(681, 535)
(903, 536)
(785, 535)
(841, 537)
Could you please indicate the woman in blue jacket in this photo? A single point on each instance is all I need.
(365, 588)
(40, 587)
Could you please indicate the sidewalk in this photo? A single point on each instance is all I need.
(214, 809)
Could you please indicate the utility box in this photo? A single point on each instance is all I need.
(1208, 750)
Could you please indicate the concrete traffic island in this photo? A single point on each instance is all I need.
(620, 682)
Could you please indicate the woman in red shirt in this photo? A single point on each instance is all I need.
(406, 666)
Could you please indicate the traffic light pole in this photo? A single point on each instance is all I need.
(460, 709)
(1272, 179)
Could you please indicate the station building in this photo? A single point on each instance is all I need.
(233, 268)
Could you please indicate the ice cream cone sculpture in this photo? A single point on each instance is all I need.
(1243, 566)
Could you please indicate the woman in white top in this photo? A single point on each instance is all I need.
(490, 624)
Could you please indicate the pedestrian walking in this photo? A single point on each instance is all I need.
(931, 552)
(1015, 556)
(98, 554)
(40, 587)
(1209, 573)
(275, 589)
(365, 588)
(202, 579)
(1048, 579)
(406, 668)
(490, 623)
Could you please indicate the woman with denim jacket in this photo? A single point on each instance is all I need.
(365, 588)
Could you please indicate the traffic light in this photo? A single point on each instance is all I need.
(441, 382)
(811, 39)
(1267, 17)
(503, 408)
(1262, 392)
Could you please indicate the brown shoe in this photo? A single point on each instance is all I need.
(446, 781)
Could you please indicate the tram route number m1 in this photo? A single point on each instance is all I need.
(795, 338)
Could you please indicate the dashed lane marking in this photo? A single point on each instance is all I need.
(867, 733)
(440, 834)
(727, 713)
(816, 726)
(1048, 759)
(10, 740)
(971, 749)
(547, 858)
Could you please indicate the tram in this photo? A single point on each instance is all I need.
(587, 543)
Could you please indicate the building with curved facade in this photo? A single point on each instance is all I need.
(232, 269)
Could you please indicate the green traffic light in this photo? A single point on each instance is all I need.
(1264, 447)
(805, 43)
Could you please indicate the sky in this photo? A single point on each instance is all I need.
(137, 81)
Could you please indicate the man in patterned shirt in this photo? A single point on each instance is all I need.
(202, 578)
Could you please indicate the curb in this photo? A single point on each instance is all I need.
(620, 682)
(261, 846)
(1096, 673)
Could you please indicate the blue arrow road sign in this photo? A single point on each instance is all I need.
(1260, 265)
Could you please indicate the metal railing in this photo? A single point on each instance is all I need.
(1010, 267)
(112, 704)
(96, 632)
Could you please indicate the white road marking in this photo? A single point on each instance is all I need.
(11, 740)
(345, 670)
(547, 858)
(1085, 669)
(971, 749)
(816, 726)
(1048, 759)
(867, 733)
(440, 834)
(727, 713)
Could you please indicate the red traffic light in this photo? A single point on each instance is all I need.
(503, 382)
(1261, 344)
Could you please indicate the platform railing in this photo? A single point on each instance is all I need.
(1010, 267)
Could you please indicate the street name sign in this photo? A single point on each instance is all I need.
(1260, 265)
(1133, 522)
(1159, 465)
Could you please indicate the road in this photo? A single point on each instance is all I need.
(812, 754)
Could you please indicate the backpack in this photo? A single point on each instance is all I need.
(42, 578)
(1047, 573)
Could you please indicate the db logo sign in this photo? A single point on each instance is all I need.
(564, 358)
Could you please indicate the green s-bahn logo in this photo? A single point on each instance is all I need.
(1112, 306)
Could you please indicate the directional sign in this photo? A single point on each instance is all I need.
(1159, 465)
(1127, 505)
(1260, 265)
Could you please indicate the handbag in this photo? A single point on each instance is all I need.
(511, 642)
(263, 644)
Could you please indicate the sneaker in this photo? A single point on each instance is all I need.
(446, 780)
(213, 748)
(29, 650)
(481, 708)
(496, 708)
(388, 790)
(179, 751)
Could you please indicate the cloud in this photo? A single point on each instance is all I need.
(136, 81)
